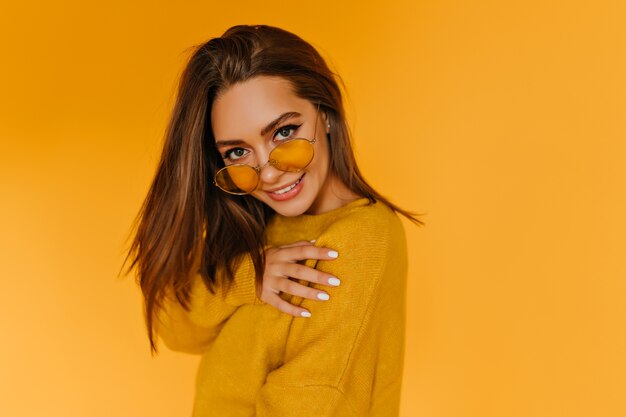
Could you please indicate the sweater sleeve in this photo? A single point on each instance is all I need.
(330, 358)
(195, 330)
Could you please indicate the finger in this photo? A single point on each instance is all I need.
(304, 291)
(309, 274)
(285, 306)
(298, 243)
(308, 252)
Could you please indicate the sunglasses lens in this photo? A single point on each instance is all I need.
(292, 156)
(238, 179)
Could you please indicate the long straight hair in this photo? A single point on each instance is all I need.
(184, 223)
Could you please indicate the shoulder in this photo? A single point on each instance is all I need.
(369, 238)
(373, 223)
(371, 243)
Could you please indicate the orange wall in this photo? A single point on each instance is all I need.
(505, 121)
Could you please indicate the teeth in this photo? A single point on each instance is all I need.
(284, 190)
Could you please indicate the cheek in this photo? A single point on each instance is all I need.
(322, 157)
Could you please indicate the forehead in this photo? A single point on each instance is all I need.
(242, 110)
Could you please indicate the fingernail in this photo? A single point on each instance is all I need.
(323, 296)
(312, 241)
(333, 253)
(334, 281)
(305, 314)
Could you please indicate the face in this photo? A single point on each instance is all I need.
(242, 119)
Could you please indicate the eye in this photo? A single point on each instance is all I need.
(284, 131)
(234, 154)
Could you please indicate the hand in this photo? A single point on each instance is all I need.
(281, 263)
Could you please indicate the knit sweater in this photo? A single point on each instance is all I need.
(346, 360)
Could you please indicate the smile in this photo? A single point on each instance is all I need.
(287, 192)
(287, 188)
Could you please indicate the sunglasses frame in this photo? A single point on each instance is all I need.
(270, 161)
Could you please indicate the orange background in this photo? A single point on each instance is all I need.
(504, 121)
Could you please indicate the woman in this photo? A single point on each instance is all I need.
(256, 214)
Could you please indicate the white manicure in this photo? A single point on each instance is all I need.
(305, 314)
(323, 296)
(334, 281)
(333, 254)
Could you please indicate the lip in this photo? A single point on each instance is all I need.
(286, 185)
(289, 194)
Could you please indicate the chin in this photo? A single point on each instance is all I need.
(291, 208)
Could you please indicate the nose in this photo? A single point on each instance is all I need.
(269, 175)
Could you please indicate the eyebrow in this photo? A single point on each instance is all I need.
(264, 131)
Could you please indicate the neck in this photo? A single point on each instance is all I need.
(334, 194)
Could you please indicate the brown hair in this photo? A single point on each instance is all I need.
(184, 218)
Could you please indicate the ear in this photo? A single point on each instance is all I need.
(326, 122)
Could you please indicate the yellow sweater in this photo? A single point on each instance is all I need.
(346, 360)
